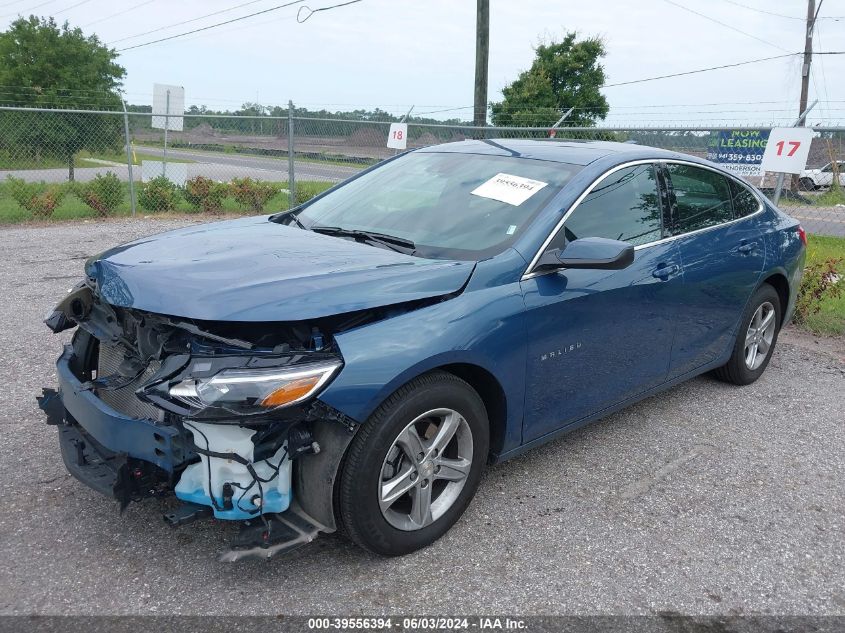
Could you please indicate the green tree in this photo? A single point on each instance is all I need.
(564, 75)
(44, 65)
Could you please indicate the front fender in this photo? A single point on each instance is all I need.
(482, 327)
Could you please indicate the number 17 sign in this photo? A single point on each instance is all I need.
(787, 150)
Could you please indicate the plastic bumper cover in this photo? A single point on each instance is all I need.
(139, 438)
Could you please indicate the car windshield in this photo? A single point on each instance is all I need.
(448, 205)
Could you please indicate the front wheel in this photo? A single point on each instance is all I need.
(806, 184)
(755, 340)
(414, 466)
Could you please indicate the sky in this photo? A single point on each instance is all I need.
(396, 53)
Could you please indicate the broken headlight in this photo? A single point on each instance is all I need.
(253, 391)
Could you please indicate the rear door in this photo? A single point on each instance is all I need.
(723, 255)
(597, 337)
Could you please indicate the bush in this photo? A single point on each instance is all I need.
(205, 194)
(103, 194)
(159, 194)
(39, 198)
(253, 194)
(821, 282)
(307, 190)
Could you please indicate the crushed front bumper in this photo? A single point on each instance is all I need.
(142, 439)
(129, 458)
(116, 455)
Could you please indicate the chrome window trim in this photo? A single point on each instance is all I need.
(529, 271)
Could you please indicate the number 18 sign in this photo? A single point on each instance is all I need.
(787, 150)
(397, 138)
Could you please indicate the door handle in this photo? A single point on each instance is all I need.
(664, 272)
(746, 247)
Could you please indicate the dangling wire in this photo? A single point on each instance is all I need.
(311, 11)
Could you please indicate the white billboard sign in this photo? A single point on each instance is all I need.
(168, 100)
(787, 150)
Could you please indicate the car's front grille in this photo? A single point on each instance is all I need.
(124, 399)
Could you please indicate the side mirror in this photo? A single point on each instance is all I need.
(590, 252)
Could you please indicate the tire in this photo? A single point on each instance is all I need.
(378, 465)
(738, 370)
(806, 184)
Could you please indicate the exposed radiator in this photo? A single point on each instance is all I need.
(124, 399)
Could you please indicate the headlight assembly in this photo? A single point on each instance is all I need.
(253, 391)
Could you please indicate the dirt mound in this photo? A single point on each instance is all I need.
(204, 129)
(368, 137)
(427, 139)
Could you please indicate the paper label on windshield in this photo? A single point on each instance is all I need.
(509, 188)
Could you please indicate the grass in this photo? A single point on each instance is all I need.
(72, 208)
(831, 318)
(828, 198)
(831, 197)
(80, 159)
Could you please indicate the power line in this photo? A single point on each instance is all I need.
(114, 15)
(211, 26)
(73, 6)
(175, 24)
(313, 11)
(700, 70)
(234, 29)
(727, 26)
(779, 15)
(8, 4)
(704, 70)
(37, 6)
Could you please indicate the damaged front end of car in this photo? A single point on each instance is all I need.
(219, 414)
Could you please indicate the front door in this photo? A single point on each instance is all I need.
(597, 337)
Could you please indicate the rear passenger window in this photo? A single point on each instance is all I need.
(745, 202)
(703, 197)
(623, 206)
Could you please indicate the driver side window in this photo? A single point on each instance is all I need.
(624, 205)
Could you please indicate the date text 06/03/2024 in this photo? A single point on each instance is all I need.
(424, 623)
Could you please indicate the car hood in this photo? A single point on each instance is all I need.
(256, 270)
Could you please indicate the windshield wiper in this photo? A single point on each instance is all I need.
(391, 241)
(289, 215)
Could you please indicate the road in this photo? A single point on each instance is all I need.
(708, 499)
(218, 166)
(305, 170)
(825, 221)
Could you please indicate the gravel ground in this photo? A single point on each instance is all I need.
(708, 499)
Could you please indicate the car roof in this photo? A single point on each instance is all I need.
(572, 151)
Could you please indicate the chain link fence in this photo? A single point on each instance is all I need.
(66, 164)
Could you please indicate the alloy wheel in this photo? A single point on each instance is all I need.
(425, 469)
(758, 338)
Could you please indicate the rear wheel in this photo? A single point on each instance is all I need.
(413, 468)
(756, 338)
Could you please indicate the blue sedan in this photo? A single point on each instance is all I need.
(354, 363)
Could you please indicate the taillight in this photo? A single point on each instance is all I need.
(802, 234)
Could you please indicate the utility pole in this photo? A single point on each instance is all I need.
(482, 53)
(808, 55)
(812, 14)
